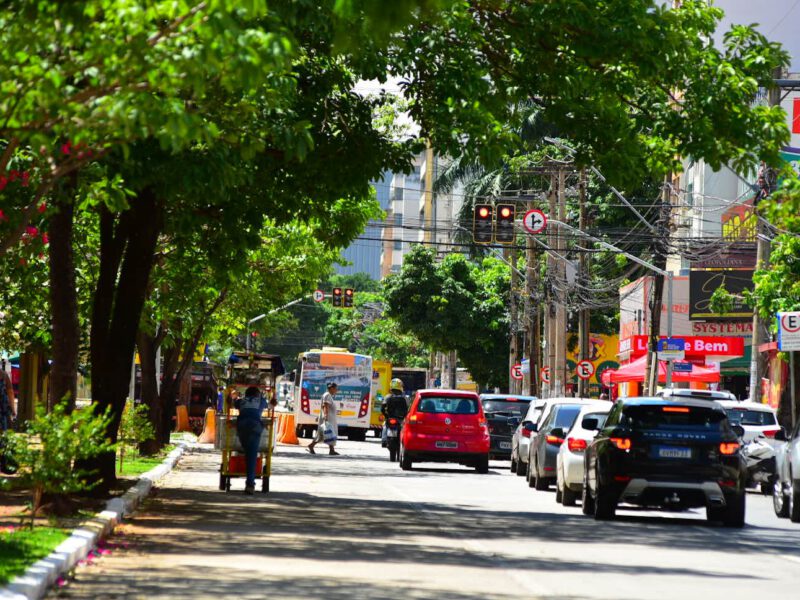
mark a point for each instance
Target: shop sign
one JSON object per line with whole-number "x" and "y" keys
{"x": 694, "y": 346}
{"x": 703, "y": 284}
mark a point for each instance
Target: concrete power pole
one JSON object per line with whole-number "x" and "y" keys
{"x": 583, "y": 320}
{"x": 532, "y": 339}
{"x": 548, "y": 390}
{"x": 560, "y": 334}
{"x": 763, "y": 250}
{"x": 513, "y": 350}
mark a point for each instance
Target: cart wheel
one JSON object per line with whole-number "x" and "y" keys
{"x": 264, "y": 485}
{"x": 222, "y": 482}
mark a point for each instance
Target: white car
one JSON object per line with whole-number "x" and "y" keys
{"x": 526, "y": 430}
{"x": 569, "y": 462}
{"x": 756, "y": 419}
{"x": 521, "y": 438}
{"x": 682, "y": 393}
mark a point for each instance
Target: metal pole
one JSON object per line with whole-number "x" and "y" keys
{"x": 669, "y": 325}
{"x": 792, "y": 389}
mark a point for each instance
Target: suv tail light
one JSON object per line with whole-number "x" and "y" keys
{"x": 770, "y": 433}
{"x": 729, "y": 447}
{"x": 621, "y": 443}
{"x": 304, "y": 402}
{"x": 554, "y": 440}
{"x": 576, "y": 444}
{"x": 392, "y": 421}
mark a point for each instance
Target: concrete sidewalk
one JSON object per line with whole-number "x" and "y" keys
{"x": 332, "y": 527}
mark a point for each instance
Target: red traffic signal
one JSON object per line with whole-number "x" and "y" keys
{"x": 504, "y": 232}
{"x": 336, "y": 297}
{"x": 483, "y": 224}
{"x": 348, "y": 298}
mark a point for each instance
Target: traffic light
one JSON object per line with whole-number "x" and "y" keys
{"x": 336, "y": 297}
{"x": 504, "y": 232}
{"x": 483, "y": 224}
{"x": 348, "y": 298}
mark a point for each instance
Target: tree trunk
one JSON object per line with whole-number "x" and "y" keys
{"x": 169, "y": 389}
{"x": 127, "y": 247}
{"x": 148, "y": 350}
{"x": 63, "y": 304}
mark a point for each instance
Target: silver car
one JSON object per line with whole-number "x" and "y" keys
{"x": 786, "y": 493}
{"x": 522, "y": 436}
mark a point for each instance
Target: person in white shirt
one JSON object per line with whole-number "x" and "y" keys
{"x": 327, "y": 414}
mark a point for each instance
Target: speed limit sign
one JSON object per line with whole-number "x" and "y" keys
{"x": 584, "y": 369}
{"x": 318, "y": 295}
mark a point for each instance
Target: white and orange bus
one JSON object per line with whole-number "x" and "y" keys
{"x": 353, "y": 374}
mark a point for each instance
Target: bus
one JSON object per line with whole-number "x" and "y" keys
{"x": 353, "y": 374}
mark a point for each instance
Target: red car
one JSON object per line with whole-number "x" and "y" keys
{"x": 445, "y": 426}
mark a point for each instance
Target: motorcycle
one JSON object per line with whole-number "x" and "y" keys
{"x": 393, "y": 427}
{"x": 759, "y": 457}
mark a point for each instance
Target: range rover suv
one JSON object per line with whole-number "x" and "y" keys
{"x": 666, "y": 453}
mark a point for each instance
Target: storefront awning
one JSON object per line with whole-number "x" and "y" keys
{"x": 634, "y": 371}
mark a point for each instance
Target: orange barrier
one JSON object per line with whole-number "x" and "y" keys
{"x": 182, "y": 418}
{"x": 289, "y": 435}
{"x": 209, "y": 427}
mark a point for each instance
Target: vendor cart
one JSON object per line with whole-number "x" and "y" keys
{"x": 245, "y": 370}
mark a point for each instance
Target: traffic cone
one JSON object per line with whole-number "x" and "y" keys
{"x": 182, "y": 418}
{"x": 209, "y": 427}
{"x": 290, "y": 435}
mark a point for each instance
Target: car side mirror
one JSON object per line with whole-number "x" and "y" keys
{"x": 530, "y": 426}
{"x": 514, "y": 421}
{"x": 780, "y": 435}
{"x": 557, "y": 432}
{"x": 738, "y": 430}
{"x": 590, "y": 423}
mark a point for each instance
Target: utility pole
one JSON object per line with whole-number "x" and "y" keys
{"x": 550, "y": 312}
{"x": 656, "y": 302}
{"x": 560, "y": 333}
{"x": 583, "y": 278}
{"x": 763, "y": 250}
{"x": 532, "y": 331}
{"x": 513, "y": 350}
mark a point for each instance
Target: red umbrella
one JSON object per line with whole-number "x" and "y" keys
{"x": 634, "y": 371}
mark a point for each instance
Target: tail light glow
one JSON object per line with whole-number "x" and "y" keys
{"x": 622, "y": 478}
{"x": 729, "y": 447}
{"x": 675, "y": 409}
{"x": 621, "y": 443}
{"x": 727, "y": 482}
{"x": 524, "y": 432}
{"x": 304, "y": 402}
{"x": 576, "y": 444}
{"x": 554, "y": 440}
{"x": 364, "y": 408}
{"x": 392, "y": 421}
{"x": 770, "y": 433}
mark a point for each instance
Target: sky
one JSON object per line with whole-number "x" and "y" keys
{"x": 778, "y": 20}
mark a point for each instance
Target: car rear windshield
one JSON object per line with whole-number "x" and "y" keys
{"x": 745, "y": 416}
{"x": 511, "y": 407}
{"x": 565, "y": 416}
{"x": 673, "y": 417}
{"x": 448, "y": 404}
{"x": 601, "y": 418}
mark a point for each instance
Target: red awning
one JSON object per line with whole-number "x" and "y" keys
{"x": 634, "y": 371}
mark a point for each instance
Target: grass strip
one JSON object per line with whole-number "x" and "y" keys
{"x": 20, "y": 547}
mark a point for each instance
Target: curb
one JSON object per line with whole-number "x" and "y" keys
{"x": 37, "y": 579}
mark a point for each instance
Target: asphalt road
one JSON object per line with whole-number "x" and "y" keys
{"x": 357, "y": 526}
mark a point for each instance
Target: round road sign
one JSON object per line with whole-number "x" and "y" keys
{"x": 516, "y": 372}
{"x": 318, "y": 296}
{"x": 544, "y": 374}
{"x": 584, "y": 369}
{"x": 534, "y": 221}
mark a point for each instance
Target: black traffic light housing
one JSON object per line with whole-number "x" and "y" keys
{"x": 483, "y": 223}
{"x": 348, "y": 297}
{"x": 504, "y": 230}
{"x": 336, "y": 297}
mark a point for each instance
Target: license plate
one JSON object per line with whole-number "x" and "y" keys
{"x": 673, "y": 452}
{"x": 449, "y": 445}
{"x": 391, "y": 433}
{"x": 505, "y": 445}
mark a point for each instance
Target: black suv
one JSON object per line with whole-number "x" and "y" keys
{"x": 671, "y": 454}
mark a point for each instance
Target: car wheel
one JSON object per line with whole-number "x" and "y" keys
{"x": 392, "y": 455}
{"x": 779, "y": 500}
{"x": 794, "y": 501}
{"x": 482, "y": 466}
{"x": 405, "y": 460}
{"x": 587, "y": 502}
{"x": 766, "y": 488}
{"x": 605, "y": 505}
{"x": 541, "y": 484}
{"x": 568, "y": 497}
{"x": 559, "y": 494}
{"x": 733, "y": 514}
{"x": 513, "y": 465}
{"x": 522, "y": 469}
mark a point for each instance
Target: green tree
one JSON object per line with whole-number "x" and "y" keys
{"x": 455, "y": 305}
